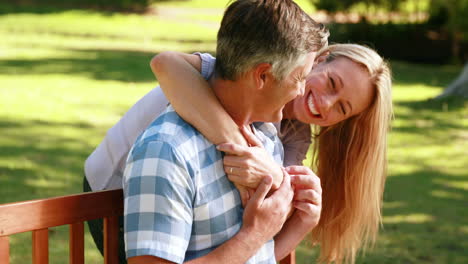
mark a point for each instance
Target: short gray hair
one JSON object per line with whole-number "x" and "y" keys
{"x": 266, "y": 31}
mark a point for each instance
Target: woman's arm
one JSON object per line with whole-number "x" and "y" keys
{"x": 192, "y": 97}
{"x": 307, "y": 202}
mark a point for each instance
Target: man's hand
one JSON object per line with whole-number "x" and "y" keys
{"x": 265, "y": 216}
{"x": 307, "y": 196}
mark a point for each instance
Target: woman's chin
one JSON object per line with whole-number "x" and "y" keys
{"x": 303, "y": 115}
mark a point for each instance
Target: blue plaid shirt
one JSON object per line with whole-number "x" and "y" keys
{"x": 179, "y": 203}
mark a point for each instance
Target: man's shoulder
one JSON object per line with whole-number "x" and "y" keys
{"x": 174, "y": 133}
{"x": 169, "y": 127}
{"x": 268, "y": 129}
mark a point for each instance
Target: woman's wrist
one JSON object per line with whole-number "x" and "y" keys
{"x": 278, "y": 175}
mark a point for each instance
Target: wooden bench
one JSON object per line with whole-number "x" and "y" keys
{"x": 39, "y": 215}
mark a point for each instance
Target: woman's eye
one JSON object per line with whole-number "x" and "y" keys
{"x": 332, "y": 83}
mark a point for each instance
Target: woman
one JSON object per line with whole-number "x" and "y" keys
{"x": 348, "y": 103}
{"x": 350, "y": 144}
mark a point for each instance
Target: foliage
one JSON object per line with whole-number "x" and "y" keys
{"x": 410, "y": 42}
{"x": 344, "y": 5}
{"x": 453, "y": 12}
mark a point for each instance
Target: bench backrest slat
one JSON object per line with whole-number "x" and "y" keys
{"x": 39, "y": 215}
{"x": 4, "y": 250}
{"x": 111, "y": 240}
{"x": 77, "y": 243}
{"x": 40, "y": 249}
{"x": 44, "y": 213}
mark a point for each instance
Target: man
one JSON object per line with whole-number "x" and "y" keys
{"x": 179, "y": 204}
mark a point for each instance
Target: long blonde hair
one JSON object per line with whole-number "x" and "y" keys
{"x": 350, "y": 159}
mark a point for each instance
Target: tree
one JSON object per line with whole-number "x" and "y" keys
{"x": 455, "y": 20}
{"x": 456, "y": 23}
{"x": 459, "y": 87}
{"x": 334, "y": 6}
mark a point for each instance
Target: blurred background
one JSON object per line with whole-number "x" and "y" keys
{"x": 70, "y": 69}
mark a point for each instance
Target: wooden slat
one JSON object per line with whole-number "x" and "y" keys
{"x": 289, "y": 259}
{"x": 77, "y": 243}
{"x": 111, "y": 240}
{"x": 39, "y": 214}
{"x": 4, "y": 250}
{"x": 40, "y": 248}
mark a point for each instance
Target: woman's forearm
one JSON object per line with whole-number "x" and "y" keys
{"x": 192, "y": 97}
{"x": 292, "y": 233}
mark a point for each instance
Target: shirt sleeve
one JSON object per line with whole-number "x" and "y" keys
{"x": 207, "y": 64}
{"x": 158, "y": 194}
{"x": 296, "y": 138}
{"x": 108, "y": 159}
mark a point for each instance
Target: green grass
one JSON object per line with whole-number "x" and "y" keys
{"x": 306, "y": 5}
{"x": 68, "y": 76}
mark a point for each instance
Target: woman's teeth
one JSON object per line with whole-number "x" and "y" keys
{"x": 311, "y": 105}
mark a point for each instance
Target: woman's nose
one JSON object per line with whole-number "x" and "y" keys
{"x": 302, "y": 89}
{"x": 328, "y": 102}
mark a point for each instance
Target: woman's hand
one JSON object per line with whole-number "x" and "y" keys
{"x": 247, "y": 166}
{"x": 307, "y": 195}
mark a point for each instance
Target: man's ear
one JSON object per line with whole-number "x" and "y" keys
{"x": 262, "y": 74}
{"x": 321, "y": 58}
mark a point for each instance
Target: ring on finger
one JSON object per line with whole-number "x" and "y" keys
{"x": 230, "y": 170}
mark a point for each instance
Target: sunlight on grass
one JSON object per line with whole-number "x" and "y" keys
{"x": 306, "y": 5}
{"x": 117, "y": 26}
{"x": 464, "y": 229}
{"x": 393, "y": 205}
{"x": 412, "y": 218}
{"x": 48, "y": 43}
{"x": 462, "y": 185}
{"x": 446, "y": 195}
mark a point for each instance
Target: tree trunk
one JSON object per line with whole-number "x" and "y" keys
{"x": 459, "y": 87}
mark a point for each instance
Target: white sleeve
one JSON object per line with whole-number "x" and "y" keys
{"x": 108, "y": 159}
{"x": 104, "y": 167}
{"x": 207, "y": 64}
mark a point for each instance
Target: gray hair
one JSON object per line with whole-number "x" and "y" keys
{"x": 277, "y": 32}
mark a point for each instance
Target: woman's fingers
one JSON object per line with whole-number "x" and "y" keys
{"x": 307, "y": 182}
{"x": 259, "y": 196}
{"x": 307, "y": 208}
{"x": 236, "y": 171}
{"x": 308, "y": 195}
{"x": 233, "y": 149}
{"x": 299, "y": 170}
{"x": 235, "y": 161}
{"x": 244, "y": 194}
{"x": 240, "y": 180}
{"x": 285, "y": 187}
{"x": 252, "y": 140}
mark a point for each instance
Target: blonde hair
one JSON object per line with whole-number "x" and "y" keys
{"x": 350, "y": 159}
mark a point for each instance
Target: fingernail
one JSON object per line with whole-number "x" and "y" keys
{"x": 267, "y": 180}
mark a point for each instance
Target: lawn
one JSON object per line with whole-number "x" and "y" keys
{"x": 67, "y": 76}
